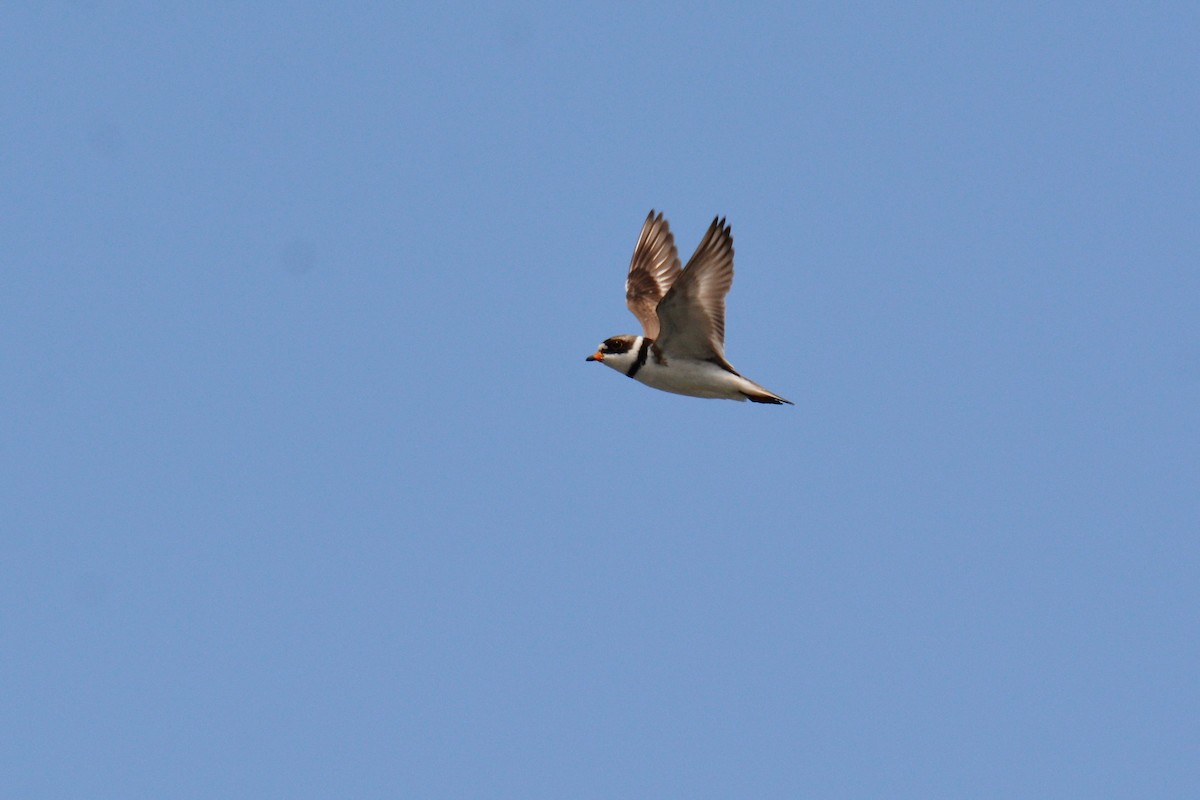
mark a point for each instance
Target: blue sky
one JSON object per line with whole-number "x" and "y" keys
{"x": 307, "y": 490}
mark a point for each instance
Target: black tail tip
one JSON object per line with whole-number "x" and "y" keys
{"x": 768, "y": 399}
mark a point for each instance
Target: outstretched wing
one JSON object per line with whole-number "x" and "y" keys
{"x": 653, "y": 269}
{"x": 692, "y": 314}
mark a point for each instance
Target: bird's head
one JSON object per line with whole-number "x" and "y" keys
{"x": 618, "y": 352}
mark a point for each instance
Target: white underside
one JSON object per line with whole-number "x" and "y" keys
{"x": 697, "y": 379}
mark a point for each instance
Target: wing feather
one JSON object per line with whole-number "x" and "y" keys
{"x": 652, "y": 271}
{"x": 692, "y": 314}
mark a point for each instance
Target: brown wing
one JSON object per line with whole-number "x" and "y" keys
{"x": 653, "y": 269}
{"x": 692, "y": 315}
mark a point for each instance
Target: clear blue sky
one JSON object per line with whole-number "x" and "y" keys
{"x": 307, "y": 490}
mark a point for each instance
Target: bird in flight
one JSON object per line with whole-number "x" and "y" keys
{"x": 682, "y": 311}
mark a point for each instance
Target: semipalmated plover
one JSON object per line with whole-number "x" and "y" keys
{"x": 682, "y": 349}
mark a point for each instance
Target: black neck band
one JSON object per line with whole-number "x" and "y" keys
{"x": 643, "y": 351}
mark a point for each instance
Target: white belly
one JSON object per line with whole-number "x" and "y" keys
{"x": 696, "y": 379}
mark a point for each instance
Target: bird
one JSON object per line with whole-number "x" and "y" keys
{"x": 682, "y": 311}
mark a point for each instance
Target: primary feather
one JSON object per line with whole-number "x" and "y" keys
{"x": 653, "y": 269}
{"x": 692, "y": 314}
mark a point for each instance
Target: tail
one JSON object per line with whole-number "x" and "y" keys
{"x": 763, "y": 396}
